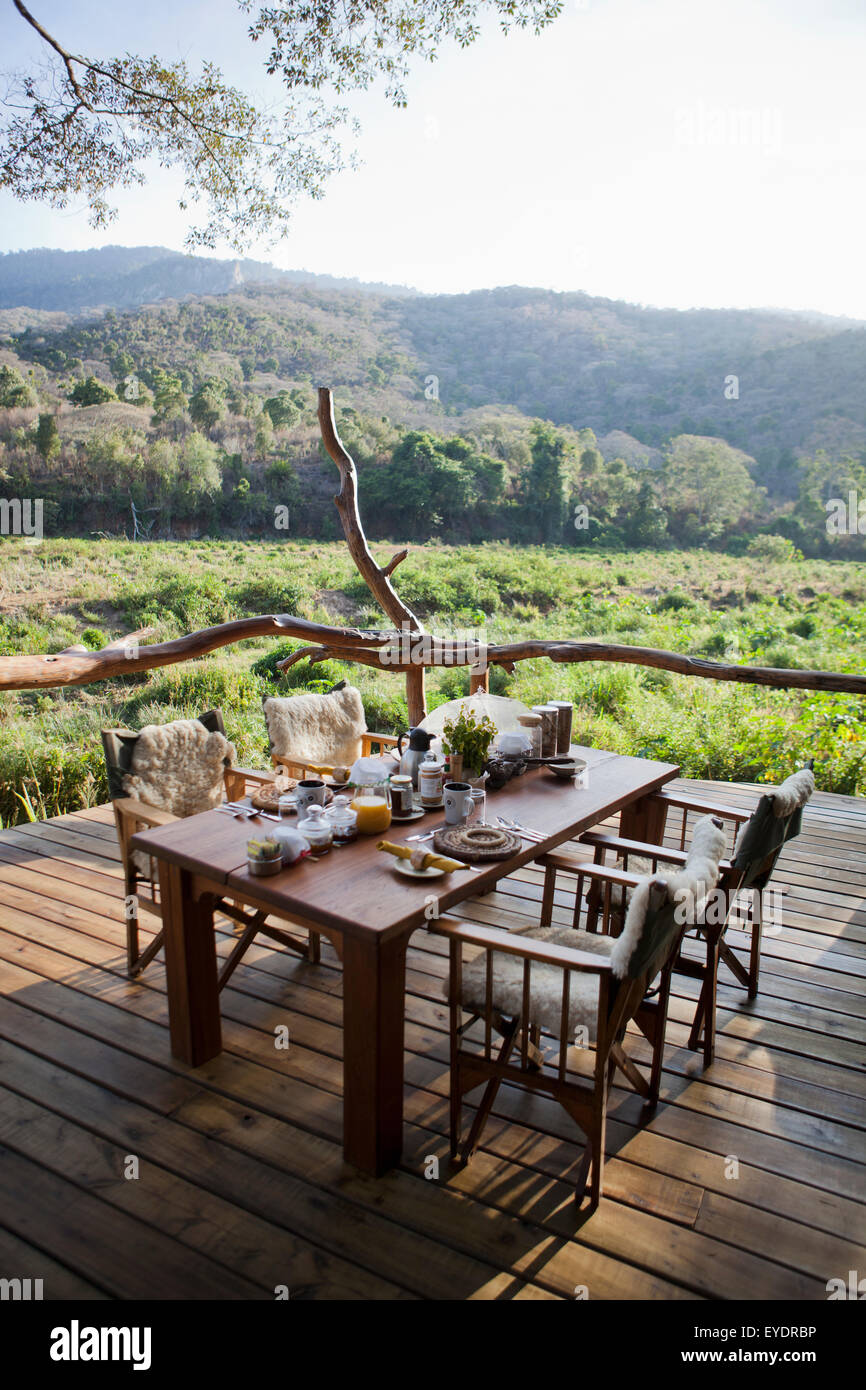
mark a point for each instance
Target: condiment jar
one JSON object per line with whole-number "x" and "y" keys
{"x": 430, "y": 780}
{"x": 531, "y": 724}
{"x": 549, "y": 728}
{"x": 317, "y": 829}
{"x": 344, "y": 821}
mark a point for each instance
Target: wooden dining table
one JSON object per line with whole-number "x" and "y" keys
{"x": 353, "y": 896}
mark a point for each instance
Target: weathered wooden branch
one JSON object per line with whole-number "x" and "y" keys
{"x": 395, "y": 561}
{"x": 444, "y": 652}
{"x": 376, "y": 579}
{"x": 125, "y": 655}
{"x": 386, "y": 651}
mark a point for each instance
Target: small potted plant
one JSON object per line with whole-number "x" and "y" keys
{"x": 469, "y": 739}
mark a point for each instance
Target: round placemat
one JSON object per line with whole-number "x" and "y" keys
{"x": 476, "y": 842}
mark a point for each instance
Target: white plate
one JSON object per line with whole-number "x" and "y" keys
{"x": 405, "y": 868}
{"x": 413, "y": 815}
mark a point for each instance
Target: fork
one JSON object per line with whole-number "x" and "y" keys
{"x": 533, "y": 836}
{"x": 236, "y": 810}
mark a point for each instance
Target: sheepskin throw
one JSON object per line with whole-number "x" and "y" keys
{"x": 316, "y": 728}
{"x": 179, "y": 767}
{"x": 545, "y": 993}
{"x": 698, "y": 876}
{"x": 793, "y": 793}
{"x": 689, "y": 886}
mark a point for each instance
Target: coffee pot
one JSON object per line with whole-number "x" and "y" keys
{"x": 411, "y": 760}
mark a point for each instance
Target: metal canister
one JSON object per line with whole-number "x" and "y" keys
{"x": 564, "y": 711}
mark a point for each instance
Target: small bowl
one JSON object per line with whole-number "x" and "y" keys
{"x": 567, "y": 771}
{"x": 264, "y": 868}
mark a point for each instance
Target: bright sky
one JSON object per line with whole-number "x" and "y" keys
{"x": 668, "y": 152}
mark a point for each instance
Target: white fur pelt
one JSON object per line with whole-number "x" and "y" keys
{"x": 316, "y": 728}
{"x": 545, "y": 992}
{"x": 698, "y": 876}
{"x": 179, "y": 767}
{"x": 793, "y": 793}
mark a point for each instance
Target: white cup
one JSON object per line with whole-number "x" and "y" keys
{"x": 458, "y": 802}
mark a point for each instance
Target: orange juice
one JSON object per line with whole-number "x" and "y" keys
{"x": 374, "y": 814}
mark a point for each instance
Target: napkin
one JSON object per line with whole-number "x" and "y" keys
{"x": 425, "y": 861}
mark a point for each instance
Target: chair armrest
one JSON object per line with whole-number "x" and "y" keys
{"x": 130, "y": 806}
{"x": 570, "y": 864}
{"x": 544, "y": 952}
{"x": 236, "y": 778}
{"x": 706, "y": 808}
{"x": 614, "y": 842}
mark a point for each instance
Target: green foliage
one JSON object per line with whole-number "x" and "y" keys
{"x": 470, "y": 736}
{"x": 14, "y": 391}
{"x": 546, "y": 482}
{"x": 47, "y": 437}
{"x": 207, "y": 405}
{"x": 775, "y": 550}
{"x": 91, "y": 391}
{"x": 713, "y": 730}
{"x": 282, "y": 409}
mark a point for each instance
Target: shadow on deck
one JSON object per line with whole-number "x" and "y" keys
{"x": 748, "y": 1182}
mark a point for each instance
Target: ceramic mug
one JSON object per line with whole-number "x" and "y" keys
{"x": 458, "y": 802}
{"x": 310, "y": 792}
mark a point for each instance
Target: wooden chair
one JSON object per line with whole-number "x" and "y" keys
{"x": 141, "y": 886}
{"x": 525, "y": 1010}
{"x": 760, "y": 837}
{"x": 321, "y": 750}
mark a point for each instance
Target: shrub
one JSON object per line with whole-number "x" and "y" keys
{"x": 674, "y": 603}
{"x": 774, "y": 550}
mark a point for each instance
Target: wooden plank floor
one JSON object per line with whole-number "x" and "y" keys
{"x": 748, "y": 1183}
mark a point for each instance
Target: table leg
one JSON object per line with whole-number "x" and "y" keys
{"x": 374, "y": 1002}
{"x": 644, "y": 820}
{"x": 190, "y": 968}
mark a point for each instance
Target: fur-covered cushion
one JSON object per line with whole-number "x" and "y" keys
{"x": 689, "y": 886}
{"x": 793, "y": 793}
{"x": 316, "y": 728}
{"x": 698, "y": 876}
{"x": 545, "y": 982}
{"x": 177, "y": 767}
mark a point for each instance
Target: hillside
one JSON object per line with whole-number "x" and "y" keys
{"x": 122, "y": 277}
{"x": 571, "y": 358}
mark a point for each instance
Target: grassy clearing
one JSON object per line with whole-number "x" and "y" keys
{"x": 810, "y": 614}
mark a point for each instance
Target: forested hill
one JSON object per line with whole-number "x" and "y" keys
{"x": 776, "y": 385}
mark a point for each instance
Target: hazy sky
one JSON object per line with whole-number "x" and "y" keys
{"x": 669, "y": 152}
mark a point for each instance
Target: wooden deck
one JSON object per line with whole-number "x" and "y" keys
{"x": 747, "y": 1184}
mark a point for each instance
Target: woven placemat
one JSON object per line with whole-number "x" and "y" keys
{"x": 475, "y": 843}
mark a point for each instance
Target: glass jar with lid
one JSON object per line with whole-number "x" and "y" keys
{"x": 532, "y": 725}
{"x": 317, "y": 829}
{"x": 344, "y": 821}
